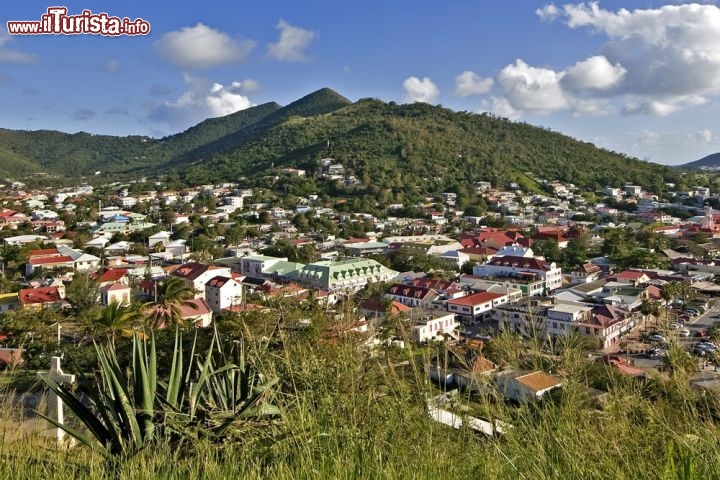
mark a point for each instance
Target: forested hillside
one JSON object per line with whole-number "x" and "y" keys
{"x": 384, "y": 145}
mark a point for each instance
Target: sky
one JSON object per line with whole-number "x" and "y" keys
{"x": 637, "y": 77}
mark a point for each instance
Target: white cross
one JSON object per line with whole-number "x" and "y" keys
{"x": 55, "y": 403}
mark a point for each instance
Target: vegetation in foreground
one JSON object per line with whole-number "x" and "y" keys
{"x": 345, "y": 413}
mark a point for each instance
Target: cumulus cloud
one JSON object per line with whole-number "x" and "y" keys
{"x": 654, "y": 61}
{"x": 417, "y": 90}
{"x": 469, "y": 83}
{"x": 202, "y": 47}
{"x": 8, "y": 55}
{"x": 501, "y": 107}
{"x": 202, "y": 100}
{"x": 532, "y": 89}
{"x": 670, "y": 55}
{"x": 548, "y": 13}
{"x": 595, "y": 73}
{"x": 292, "y": 43}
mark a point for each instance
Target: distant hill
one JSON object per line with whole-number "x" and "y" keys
{"x": 383, "y": 146}
{"x": 711, "y": 162}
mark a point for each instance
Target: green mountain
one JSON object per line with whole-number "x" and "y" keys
{"x": 710, "y": 162}
{"x": 385, "y": 146}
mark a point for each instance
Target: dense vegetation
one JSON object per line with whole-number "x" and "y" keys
{"x": 384, "y": 145}
{"x": 348, "y": 414}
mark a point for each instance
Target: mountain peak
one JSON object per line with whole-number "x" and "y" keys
{"x": 318, "y": 102}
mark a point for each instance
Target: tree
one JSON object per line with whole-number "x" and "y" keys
{"x": 82, "y": 293}
{"x": 548, "y": 249}
{"x": 116, "y": 318}
{"x": 172, "y": 293}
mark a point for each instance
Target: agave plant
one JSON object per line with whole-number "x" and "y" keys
{"x": 126, "y": 411}
{"x": 215, "y": 394}
{"x": 120, "y": 421}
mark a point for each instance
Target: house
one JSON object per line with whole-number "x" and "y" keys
{"x": 477, "y": 306}
{"x": 198, "y": 274}
{"x": 524, "y": 266}
{"x": 115, "y": 293}
{"x": 41, "y": 297}
{"x": 47, "y": 259}
{"x": 255, "y": 265}
{"x": 411, "y": 296}
{"x": 585, "y": 273}
{"x": 8, "y": 301}
{"x": 161, "y": 237}
{"x": 379, "y": 307}
{"x": 109, "y": 276}
{"x": 223, "y": 292}
{"x": 197, "y": 312}
{"x": 431, "y": 325}
{"x": 25, "y": 239}
{"x": 525, "y": 387}
{"x": 445, "y": 288}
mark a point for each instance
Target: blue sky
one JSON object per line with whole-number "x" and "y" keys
{"x": 638, "y": 77}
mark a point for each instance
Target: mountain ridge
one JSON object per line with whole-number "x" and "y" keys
{"x": 708, "y": 162}
{"x": 381, "y": 145}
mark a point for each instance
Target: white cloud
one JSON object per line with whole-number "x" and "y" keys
{"x": 500, "y": 107}
{"x": 548, "y": 13}
{"x": 8, "y": 55}
{"x": 417, "y": 90}
{"x": 532, "y": 89}
{"x": 202, "y": 100}
{"x": 292, "y": 43}
{"x": 594, "y": 73}
{"x": 705, "y": 136}
{"x": 202, "y": 47}
{"x": 469, "y": 83}
{"x": 670, "y": 54}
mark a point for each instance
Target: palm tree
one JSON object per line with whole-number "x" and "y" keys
{"x": 171, "y": 294}
{"x": 117, "y": 317}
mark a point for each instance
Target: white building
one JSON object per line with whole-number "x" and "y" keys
{"x": 431, "y": 324}
{"x": 223, "y": 292}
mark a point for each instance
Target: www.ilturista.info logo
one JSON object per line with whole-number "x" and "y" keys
{"x": 57, "y": 22}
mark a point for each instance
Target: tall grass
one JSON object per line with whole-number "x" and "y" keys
{"x": 349, "y": 415}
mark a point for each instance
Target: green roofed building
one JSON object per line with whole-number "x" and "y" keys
{"x": 344, "y": 274}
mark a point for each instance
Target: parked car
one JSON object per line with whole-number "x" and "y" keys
{"x": 653, "y": 353}
{"x": 676, "y": 326}
{"x": 684, "y": 332}
{"x": 656, "y": 337}
{"x": 701, "y": 333}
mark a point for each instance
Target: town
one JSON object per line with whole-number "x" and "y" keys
{"x": 631, "y": 273}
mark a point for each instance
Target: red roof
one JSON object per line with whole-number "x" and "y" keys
{"x": 51, "y": 260}
{"x": 190, "y": 270}
{"x": 111, "y": 275}
{"x": 630, "y": 275}
{"x": 409, "y": 291}
{"x": 526, "y": 263}
{"x": 375, "y": 304}
{"x": 30, "y": 296}
{"x": 476, "y": 298}
{"x": 217, "y": 282}
{"x": 193, "y": 308}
